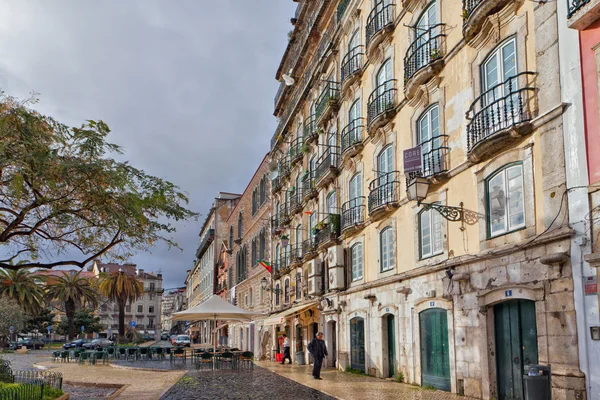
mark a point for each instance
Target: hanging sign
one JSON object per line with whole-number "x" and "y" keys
{"x": 412, "y": 160}
{"x": 590, "y": 285}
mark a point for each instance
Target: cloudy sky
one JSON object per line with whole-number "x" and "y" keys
{"x": 186, "y": 86}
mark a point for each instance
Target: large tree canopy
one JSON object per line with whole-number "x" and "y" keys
{"x": 65, "y": 201}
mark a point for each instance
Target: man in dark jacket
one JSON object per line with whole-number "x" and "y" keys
{"x": 318, "y": 350}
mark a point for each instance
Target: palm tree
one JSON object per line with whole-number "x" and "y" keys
{"x": 73, "y": 291}
{"x": 121, "y": 288}
{"x": 23, "y": 287}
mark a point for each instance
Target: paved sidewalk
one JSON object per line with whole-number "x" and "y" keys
{"x": 347, "y": 386}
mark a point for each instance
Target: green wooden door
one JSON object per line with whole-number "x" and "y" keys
{"x": 435, "y": 362}
{"x": 391, "y": 338}
{"x": 357, "y": 343}
{"x": 516, "y": 345}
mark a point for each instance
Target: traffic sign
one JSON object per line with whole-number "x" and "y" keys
{"x": 82, "y": 328}
{"x": 133, "y": 324}
{"x": 49, "y": 330}
{"x": 11, "y": 329}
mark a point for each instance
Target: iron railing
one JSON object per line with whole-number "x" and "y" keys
{"x": 353, "y": 212}
{"x": 384, "y": 190}
{"x": 468, "y": 7}
{"x": 574, "y": 6}
{"x": 328, "y": 98}
{"x": 276, "y": 185}
{"x": 275, "y": 224}
{"x": 310, "y": 129}
{"x": 353, "y": 134}
{"x": 296, "y": 153}
{"x": 29, "y": 391}
{"x": 296, "y": 201}
{"x": 379, "y": 18}
{"x": 381, "y": 100}
{"x": 352, "y": 62}
{"x": 205, "y": 242}
{"x": 341, "y": 8}
{"x": 296, "y": 253}
{"x": 329, "y": 229}
{"x": 424, "y": 50}
{"x": 308, "y": 187}
{"x": 309, "y": 246}
{"x": 284, "y": 214}
{"x": 328, "y": 161}
{"x": 434, "y": 153}
{"x": 500, "y": 107}
{"x": 284, "y": 167}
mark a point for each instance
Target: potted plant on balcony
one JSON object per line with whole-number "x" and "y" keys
{"x": 292, "y": 190}
{"x": 305, "y": 149}
{"x": 435, "y": 54}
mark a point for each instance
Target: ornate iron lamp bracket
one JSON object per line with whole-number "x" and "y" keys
{"x": 455, "y": 214}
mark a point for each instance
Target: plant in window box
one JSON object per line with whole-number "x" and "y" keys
{"x": 465, "y": 14}
{"x": 292, "y": 189}
{"x": 435, "y": 54}
{"x": 305, "y": 149}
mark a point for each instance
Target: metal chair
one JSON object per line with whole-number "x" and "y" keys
{"x": 56, "y": 356}
{"x": 64, "y": 356}
{"x": 178, "y": 353}
{"x": 122, "y": 352}
{"x": 84, "y": 357}
{"x": 247, "y": 359}
{"x": 205, "y": 359}
{"x": 226, "y": 359}
{"x": 99, "y": 355}
{"x": 159, "y": 352}
{"x": 145, "y": 353}
{"x": 132, "y": 353}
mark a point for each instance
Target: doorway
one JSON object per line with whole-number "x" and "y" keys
{"x": 389, "y": 346}
{"x": 357, "y": 343}
{"x": 331, "y": 339}
{"x": 435, "y": 363}
{"x": 516, "y": 345}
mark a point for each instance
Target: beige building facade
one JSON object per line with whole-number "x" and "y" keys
{"x": 462, "y": 289}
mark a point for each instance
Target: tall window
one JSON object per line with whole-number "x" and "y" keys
{"x": 332, "y": 203}
{"x": 250, "y": 299}
{"x": 505, "y": 198}
{"x": 356, "y": 260}
{"x": 277, "y": 294}
{"x": 298, "y": 285}
{"x": 299, "y": 240}
{"x": 278, "y": 257}
{"x": 384, "y": 83}
{"x": 231, "y": 237}
{"x": 423, "y": 35}
{"x": 240, "y": 225}
{"x": 430, "y": 233}
{"x": 428, "y": 136}
{"x": 263, "y": 190}
{"x": 286, "y": 291}
{"x": 386, "y": 244}
{"x": 254, "y": 253}
{"x": 385, "y": 165}
{"x": 262, "y": 245}
{"x": 355, "y": 190}
{"x": 254, "y": 201}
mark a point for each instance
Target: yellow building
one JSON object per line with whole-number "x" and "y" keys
{"x": 461, "y": 290}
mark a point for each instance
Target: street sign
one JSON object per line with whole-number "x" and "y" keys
{"x": 412, "y": 160}
{"x": 82, "y": 328}
{"x": 132, "y": 324}
{"x": 11, "y": 329}
{"x": 49, "y": 330}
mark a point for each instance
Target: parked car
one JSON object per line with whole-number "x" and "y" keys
{"x": 173, "y": 338}
{"x": 183, "y": 340}
{"x": 30, "y": 343}
{"x": 148, "y": 338}
{"x": 97, "y": 344}
{"x": 164, "y": 336}
{"x": 75, "y": 344}
{"x": 14, "y": 345}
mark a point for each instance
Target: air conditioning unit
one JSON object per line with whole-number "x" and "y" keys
{"x": 315, "y": 285}
{"x": 336, "y": 278}
{"x": 335, "y": 256}
{"x": 314, "y": 268}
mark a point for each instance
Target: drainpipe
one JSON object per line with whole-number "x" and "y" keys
{"x": 412, "y": 339}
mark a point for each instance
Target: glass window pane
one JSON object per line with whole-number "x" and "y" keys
{"x": 425, "y": 233}
{"x": 509, "y": 60}
{"x": 516, "y": 209}
{"x": 497, "y": 203}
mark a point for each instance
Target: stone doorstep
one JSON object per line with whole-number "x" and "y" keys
{"x": 120, "y": 388}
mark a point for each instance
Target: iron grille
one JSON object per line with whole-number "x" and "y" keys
{"x": 353, "y": 134}
{"x": 384, "y": 190}
{"x": 327, "y": 162}
{"x": 425, "y": 49}
{"x": 382, "y": 99}
{"x": 353, "y": 212}
{"x": 352, "y": 62}
{"x": 379, "y": 18}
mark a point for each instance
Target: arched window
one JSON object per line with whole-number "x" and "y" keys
{"x": 263, "y": 190}
{"x": 286, "y": 291}
{"x": 254, "y": 201}
{"x": 277, "y": 294}
{"x": 354, "y": 118}
{"x": 299, "y": 240}
{"x": 240, "y": 225}
{"x": 505, "y": 200}
{"x": 383, "y": 80}
{"x": 425, "y": 35}
{"x": 428, "y": 136}
{"x": 332, "y": 203}
{"x": 262, "y": 244}
{"x": 230, "y": 244}
{"x": 254, "y": 253}
{"x": 386, "y": 249}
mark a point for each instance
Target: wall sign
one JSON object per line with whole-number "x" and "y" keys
{"x": 432, "y": 304}
{"x": 412, "y": 159}
{"x": 590, "y": 285}
{"x": 508, "y": 293}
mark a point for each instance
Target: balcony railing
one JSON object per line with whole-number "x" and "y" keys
{"x": 309, "y": 190}
{"x": 311, "y": 133}
{"x": 327, "y": 100}
{"x": 352, "y": 62}
{"x": 282, "y": 89}
{"x": 341, "y": 8}
{"x": 296, "y": 201}
{"x": 328, "y": 230}
{"x": 296, "y": 254}
{"x": 384, "y": 191}
{"x": 276, "y": 226}
{"x": 284, "y": 167}
{"x": 353, "y": 213}
{"x": 327, "y": 165}
{"x": 380, "y": 17}
{"x": 499, "y": 108}
{"x": 296, "y": 153}
{"x": 381, "y": 100}
{"x": 353, "y": 135}
{"x": 309, "y": 248}
{"x": 434, "y": 153}
{"x": 276, "y": 185}
{"x": 424, "y": 50}
{"x": 208, "y": 238}
{"x": 574, "y": 6}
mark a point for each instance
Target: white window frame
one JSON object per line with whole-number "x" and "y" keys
{"x": 505, "y": 196}
{"x": 357, "y": 261}
{"x": 436, "y": 236}
{"x": 386, "y": 249}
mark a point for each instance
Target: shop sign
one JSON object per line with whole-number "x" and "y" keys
{"x": 412, "y": 160}
{"x": 590, "y": 285}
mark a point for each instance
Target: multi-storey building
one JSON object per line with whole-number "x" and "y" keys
{"x": 173, "y": 300}
{"x": 248, "y": 243}
{"x": 145, "y": 311}
{"x": 201, "y": 279}
{"x": 459, "y": 104}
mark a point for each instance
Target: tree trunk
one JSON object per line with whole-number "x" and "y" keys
{"x": 70, "y": 311}
{"x": 121, "y": 303}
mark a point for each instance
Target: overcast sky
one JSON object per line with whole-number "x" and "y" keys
{"x": 186, "y": 86}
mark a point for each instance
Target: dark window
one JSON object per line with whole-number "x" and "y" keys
{"x": 152, "y": 285}
{"x": 240, "y": 226}
{"x": 150, "y": 322}
{"x": 298, "y": 285}
{"x": 128, "y": 308}
{"x": 286, "y": 291}
{"x": 140, "y": 309}
{"x": 262, "y": 245}
{"x": 277, "y": 294}
{"x": 231, "y": 237}
{"x": 254, "y": 201}
{"x": 151, "y": 309}
{"x": 254, "y": 253}
{"x": 263, "y": 190}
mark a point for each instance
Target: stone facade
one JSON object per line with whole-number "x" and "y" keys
{"x": 172, "y": 302}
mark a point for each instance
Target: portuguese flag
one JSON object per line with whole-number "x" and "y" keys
{"x": 267, "y": 265}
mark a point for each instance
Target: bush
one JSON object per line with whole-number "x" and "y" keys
{"x": 399, "y": 377}
{"x": 355, "y": 371}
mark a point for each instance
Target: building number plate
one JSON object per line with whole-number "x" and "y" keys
{"x": 508, "y": 293}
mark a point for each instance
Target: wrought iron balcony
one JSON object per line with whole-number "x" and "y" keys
{"x": 311, "y": 132}
{"x": 276, "y": 227}
{"x": 327, "y": 102}
{"x": 424, "y": 58}
{"x": 353, "y": 214}
{"x": 296, "y": 201}
{"x": 207, "y": 239}
{"x": 379, "y": 21}
{"x": 296, "y": 153}
{"x": 341, "y": 8}
{"x": 352, "y": 64}
{"x": 296, "y": 255}
{"x": 384, "y": 194}
{"x": 382, "y": 103}
{"x": 327, "y": 167}
{"x": 352, "y": 138}
{"x": 309, "y": 249}
{"x": 284, "y": 167}
{"x": 328, "y": 231}
{"x": 499, "y": 115}
{"x": 475, "y": 12}
{"x": 574, "y": 6}
{"x": 276, "y": 185}
{"x": 279, "y": 96}
{"x": 434, "y": 153}
{"x": 309, "y": 190}
{"x": 284, "y": 215}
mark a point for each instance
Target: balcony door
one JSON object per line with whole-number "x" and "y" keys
{"x": 428, "y": 131}
{"x": 426, "y": 50}
{"x": 384, "y": 86}
{"x": 332, "y": 203}
{"x": 499, "y": 82}
{"x": 354, "y": 60}
{"x": 385, "y": 165}
{"x": 299, "y": 241}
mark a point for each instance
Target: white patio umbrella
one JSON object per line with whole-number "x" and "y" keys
{"x": 214, "y": 308}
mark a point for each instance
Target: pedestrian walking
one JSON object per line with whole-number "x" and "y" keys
{"x": 286, "y": 349}
{"x": 318, "y": 350}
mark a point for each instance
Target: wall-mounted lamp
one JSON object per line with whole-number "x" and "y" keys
{"x": 264, "y": 284}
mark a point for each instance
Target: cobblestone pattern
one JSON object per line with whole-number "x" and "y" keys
{"x": 87, "y": 393}
{"x": 20, "y": 361}
{"x": 245, "y": 384}
{"x": 156, "y": 364}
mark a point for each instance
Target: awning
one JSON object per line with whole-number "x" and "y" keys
{"x": 280, "y": 318}
{"x": 194, "y": 329}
